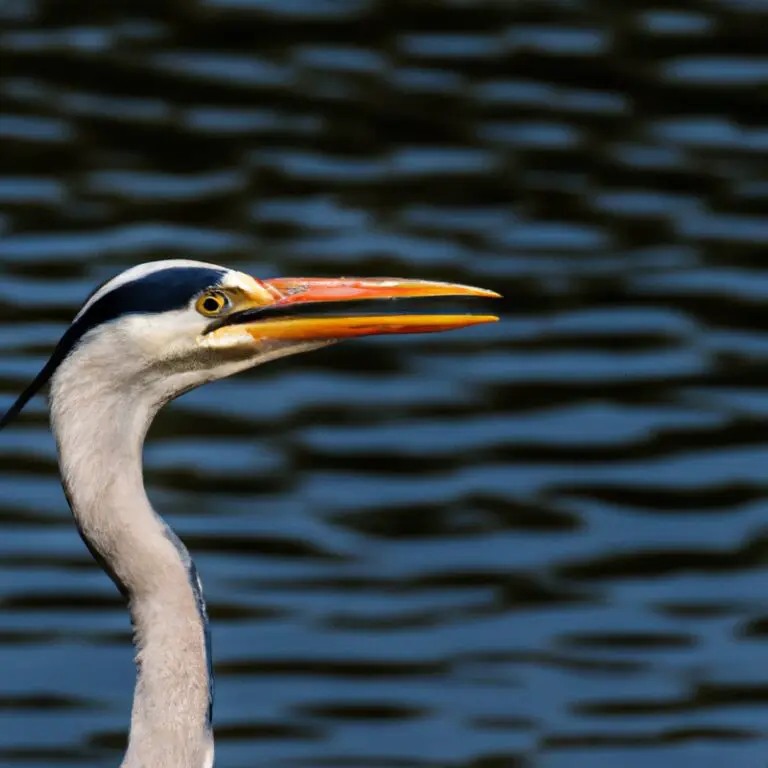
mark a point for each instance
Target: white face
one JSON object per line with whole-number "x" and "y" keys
{"x": 167, "y": 353}
{"x": 182, "y": 332}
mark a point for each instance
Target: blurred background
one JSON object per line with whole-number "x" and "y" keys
{"x": 541, "y": 543}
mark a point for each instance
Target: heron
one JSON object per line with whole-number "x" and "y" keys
{"x": 141, "y": 339}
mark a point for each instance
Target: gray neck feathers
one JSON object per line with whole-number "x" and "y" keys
{"x": 100, "y": 428}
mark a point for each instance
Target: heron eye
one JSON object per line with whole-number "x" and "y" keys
{"x": 213, "y": 303}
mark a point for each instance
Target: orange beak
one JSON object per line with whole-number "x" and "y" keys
{"x": 280, "y": 311}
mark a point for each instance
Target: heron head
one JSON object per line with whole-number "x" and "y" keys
{"x": 166, "y": 327}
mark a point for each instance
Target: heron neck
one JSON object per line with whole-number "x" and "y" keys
{"x": 100, "y": 438}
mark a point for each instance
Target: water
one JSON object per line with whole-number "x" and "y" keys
{"x": 541, "y": 543}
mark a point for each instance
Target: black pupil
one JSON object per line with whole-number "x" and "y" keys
{"x": 210, "y": 304}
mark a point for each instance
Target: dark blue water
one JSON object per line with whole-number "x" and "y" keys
{"x": 541, "y": 543}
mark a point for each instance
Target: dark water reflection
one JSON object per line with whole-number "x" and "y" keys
{"x": 541, "y": 543}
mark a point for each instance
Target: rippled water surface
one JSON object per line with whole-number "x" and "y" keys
{"x": 539, "y": 543}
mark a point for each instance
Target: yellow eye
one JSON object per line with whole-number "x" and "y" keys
{"x": 212, "y": 303}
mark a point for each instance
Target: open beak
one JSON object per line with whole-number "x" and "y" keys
{"x": 279, "y": 310}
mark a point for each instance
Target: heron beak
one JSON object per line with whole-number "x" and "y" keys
{"x": 279, "y": 309}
